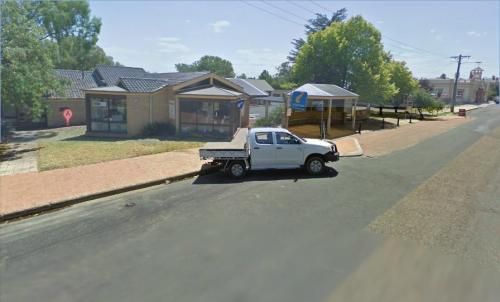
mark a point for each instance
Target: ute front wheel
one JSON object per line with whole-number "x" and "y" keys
{"x": 315, "y": 165}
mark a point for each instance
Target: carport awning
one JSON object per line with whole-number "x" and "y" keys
{"x": 326, "y": 91}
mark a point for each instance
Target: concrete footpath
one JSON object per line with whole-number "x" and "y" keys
{"x": 29, "y": 193}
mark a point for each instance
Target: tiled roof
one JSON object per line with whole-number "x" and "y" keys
{"x": 77, "y": 80}
{"x": 108, "y": 89}
{"x": 132, "y": 79}
{"x": 177, "y": 77}
{"x": 260, "y": 84}
{"x": 108, "y": 75}
{"x": 326, "y": 90}
{"x": 142, "y": 84}
{"x": 248, "y": 88}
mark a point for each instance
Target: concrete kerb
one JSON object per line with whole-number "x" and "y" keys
{"x": 355, "y": 153}
{"x": 72, "y": 201}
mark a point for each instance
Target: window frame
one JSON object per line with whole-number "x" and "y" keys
{"x": 289, "y": 134}
{"x": 264, "y": 132}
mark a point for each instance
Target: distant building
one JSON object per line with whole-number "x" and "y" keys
{"x": 471, "y": 90}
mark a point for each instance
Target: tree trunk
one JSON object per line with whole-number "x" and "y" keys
{"x": 380, "y": 111}
{"x": 420, "y": 112}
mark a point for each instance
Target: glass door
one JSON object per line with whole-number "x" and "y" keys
{"x": 108, "y": 114}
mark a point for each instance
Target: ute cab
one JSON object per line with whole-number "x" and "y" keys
{"x": 270, "y": 148}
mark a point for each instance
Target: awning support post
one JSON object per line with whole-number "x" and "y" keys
{"x": 329, "y": 116}
{"x": 354, "y": 114}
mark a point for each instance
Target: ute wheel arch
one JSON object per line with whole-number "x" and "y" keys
{"x": 236, "y": 168}
{"x": 315, "y": 164}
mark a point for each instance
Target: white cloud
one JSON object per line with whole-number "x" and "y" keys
{"x": 171, "y": 45}
{"x": 187, "y": 21}
{"x": 219, "y": 26}
{"x": 435, "y": 34}
{"x": 473, "y": 33}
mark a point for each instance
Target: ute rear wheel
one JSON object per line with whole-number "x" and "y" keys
{"x": 315, "y": 165}
{"x": 237, "y": 169}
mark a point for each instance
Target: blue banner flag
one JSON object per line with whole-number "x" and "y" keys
{"x": 240, "y": 103}
{"x": 298, "y": 100}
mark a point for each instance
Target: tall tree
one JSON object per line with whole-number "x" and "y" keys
{"x": 265, "y": 75}
{"x": 26, "y": 66}
{"x": 319, "y": 23}
{"x": 71, "y": 27}
{"x": 403, "y": 79}
{"x": 349, "y": 54}
{"x": 425, "y": 85}
{"x": 69, "y": 54}
{"x": 214, "y": 64}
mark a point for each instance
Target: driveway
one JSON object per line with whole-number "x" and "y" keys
{"x": 20, "y": 155}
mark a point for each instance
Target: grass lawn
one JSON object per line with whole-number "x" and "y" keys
{"x": 3, "y": 150}
{"x": 70, "y": 153}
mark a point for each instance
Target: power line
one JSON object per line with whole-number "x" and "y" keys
{"x": 388, "y": 38}
{"x": 284, "y": 10}
{"x": 320, "y": 6}
{"x": 271, "y": 13}
{"x": 411, "y": 49}
{"x": 416, "y": 48}
{"x": 303, "y": 7}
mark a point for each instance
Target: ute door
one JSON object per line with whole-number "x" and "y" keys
{"x": 289, "y": 150}
{"x": 263, "y": 152}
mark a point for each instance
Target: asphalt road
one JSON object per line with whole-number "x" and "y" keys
{"x": 279, "y": 236}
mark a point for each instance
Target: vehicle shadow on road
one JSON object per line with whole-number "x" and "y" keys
{"x": 265, "y": 175}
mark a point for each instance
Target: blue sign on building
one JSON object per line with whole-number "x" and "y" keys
{"x": 240, "y": 103}
{"x": 298, "y": 100}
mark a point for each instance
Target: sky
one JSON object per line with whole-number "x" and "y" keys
{"x": 256, "y": 35}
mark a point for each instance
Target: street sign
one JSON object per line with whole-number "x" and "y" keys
{"x": 67, "y": 114}
{"x": 240, "y": 104}
{"x": 298, "y": 100}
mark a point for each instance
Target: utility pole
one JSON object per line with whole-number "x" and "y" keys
{"x": 457, "y": 75}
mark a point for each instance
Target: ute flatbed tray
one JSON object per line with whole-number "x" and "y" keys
{"x": 236, "y": 144}
{"x": 236, "y": 148}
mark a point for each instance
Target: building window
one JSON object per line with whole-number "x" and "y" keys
{"x": 108, "y": 114}
{"x": 460, "y": 93}
{"x": 218, "y": 118}
{"x": 438, "y": 92}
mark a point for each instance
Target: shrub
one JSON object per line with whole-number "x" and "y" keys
{"x": 273, "y": 119}
{"x": 6, "y": 129}
{"x": 158, "y": 129}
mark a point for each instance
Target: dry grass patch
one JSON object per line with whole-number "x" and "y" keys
{"x": 65, "y": 154}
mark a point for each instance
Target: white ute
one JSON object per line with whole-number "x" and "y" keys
{"x": 269, "y": 148}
